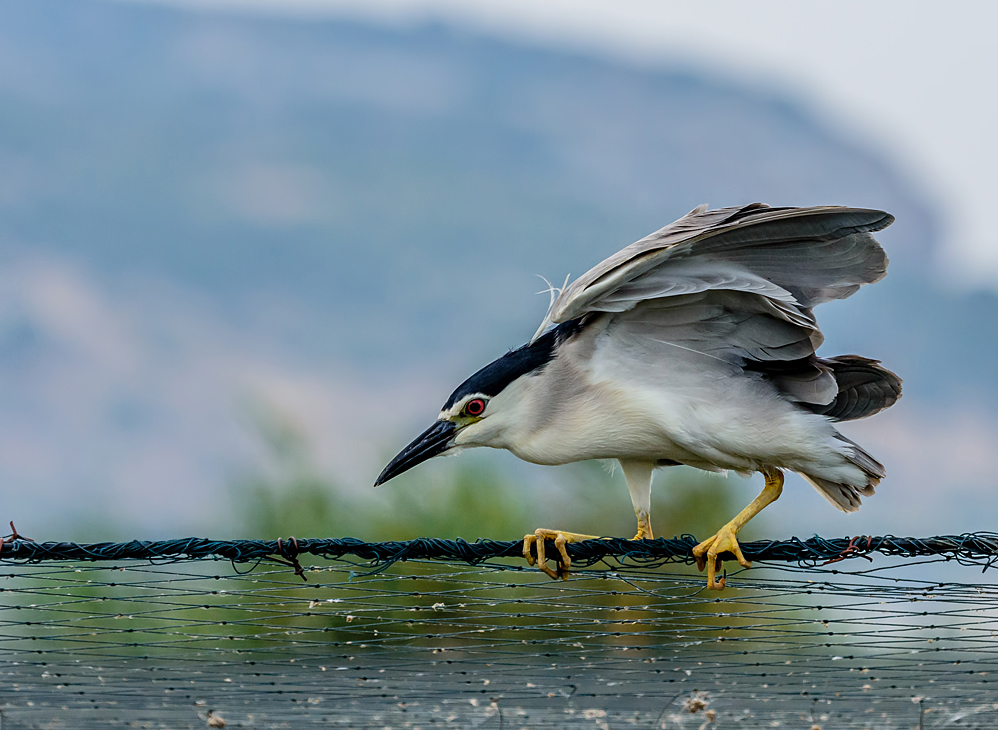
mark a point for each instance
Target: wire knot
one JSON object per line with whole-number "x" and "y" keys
{"x": 13, "y": 536}
{"x": 852, "y": 547}
{"x": 289, "y": 551}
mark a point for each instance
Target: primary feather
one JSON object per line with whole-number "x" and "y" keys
{"x": 796, "y": 257}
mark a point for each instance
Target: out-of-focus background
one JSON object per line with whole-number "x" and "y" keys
{"x": 248, "y": 247}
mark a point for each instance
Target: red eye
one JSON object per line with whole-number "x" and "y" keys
{"x": 475, "y": 407}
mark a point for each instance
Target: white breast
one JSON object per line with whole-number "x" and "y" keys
{"x": 597, "y": 401}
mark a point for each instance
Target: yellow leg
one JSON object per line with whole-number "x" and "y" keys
{"x": 644, "y": 527}
{"x": 561, "y": 538}
{"x": 725, "y": 540}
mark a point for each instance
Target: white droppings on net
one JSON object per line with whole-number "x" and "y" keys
{"x": 622, "y": 642}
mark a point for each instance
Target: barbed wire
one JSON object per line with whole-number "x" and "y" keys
{"x": 977, "y": 548}
{"x": 466, "y": 635}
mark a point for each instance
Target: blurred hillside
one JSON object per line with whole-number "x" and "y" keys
{"x": 200, "y": 212}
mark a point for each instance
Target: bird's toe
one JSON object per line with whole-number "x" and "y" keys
{"x": 535, "y": 549}
{"x": 707, "y": 554}
{"x": 528, "y": 548}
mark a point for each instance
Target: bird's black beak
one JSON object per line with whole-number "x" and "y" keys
{"x": 433, "y": 441}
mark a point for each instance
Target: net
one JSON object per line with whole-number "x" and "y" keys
{"x": 436, "y": 633}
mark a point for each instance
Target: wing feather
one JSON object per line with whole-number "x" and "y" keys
{"x": 737, "y": 286}
{"x": 736, "y": 329}
{"x": 794, "y": 257}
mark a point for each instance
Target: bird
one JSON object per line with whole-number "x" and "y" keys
{"x": 694, "y": 346}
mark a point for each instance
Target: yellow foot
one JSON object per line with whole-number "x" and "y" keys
{"x": 706, "y": 554}
{"x": 561, "y": 539}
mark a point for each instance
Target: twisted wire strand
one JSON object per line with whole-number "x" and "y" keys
{"x": 978, "y": 548}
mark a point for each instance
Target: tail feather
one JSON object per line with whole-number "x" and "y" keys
{"x": 865, "y": 388}
{"x": 859, "y": 456}
{"x": 846, "y": 497}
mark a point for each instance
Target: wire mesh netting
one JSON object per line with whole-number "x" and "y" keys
{"x": 901, "y": 642}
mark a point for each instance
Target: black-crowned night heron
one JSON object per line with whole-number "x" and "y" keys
{"x": 695, "y": 345}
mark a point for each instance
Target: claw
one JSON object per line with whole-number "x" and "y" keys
{"x": 707, "y": 552}
{"x": 536, "y": 544}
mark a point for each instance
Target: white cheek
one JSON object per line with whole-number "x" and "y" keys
{"x": 470, "y": 435}
{"x": 482, "y": 433}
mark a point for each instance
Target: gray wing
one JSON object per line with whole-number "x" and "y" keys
{"x": 719, "y": 330}
{"x": 737, "y": 285}
{"x": 795, "y": 257}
